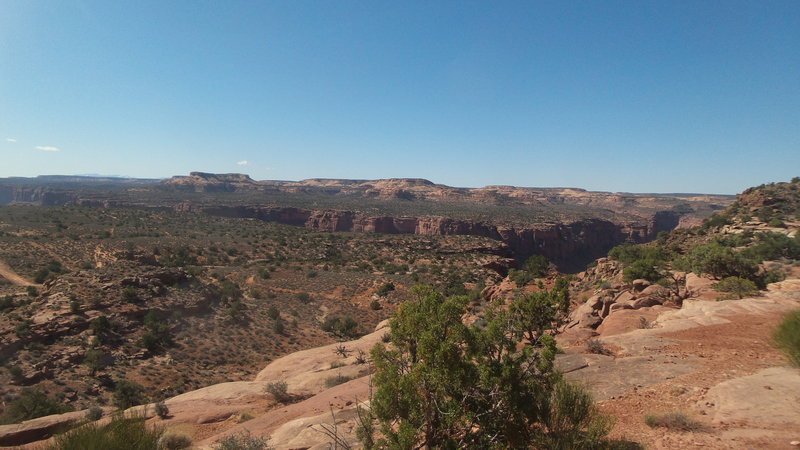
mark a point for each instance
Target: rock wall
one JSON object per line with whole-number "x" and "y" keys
{"x": 569, "y": 245}
{"x": 42, "y": 196}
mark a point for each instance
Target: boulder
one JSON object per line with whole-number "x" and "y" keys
{"x": 640, "y": 284}
{"x": 656, "y": 290}
{"x": 590, "y": 320}
{"x": 618, "y": 306}
{"x": 37, "y": 429}
{"x": 646, "y": 302}
{"x": 696, "y": 283}
{"x": 595, "y": 302}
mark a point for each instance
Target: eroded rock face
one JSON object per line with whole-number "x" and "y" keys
{"x": 568, "y": 245}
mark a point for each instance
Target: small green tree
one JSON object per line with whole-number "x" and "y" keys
{"x": 646, "y": 269}
{"x": 540, "y": 312}
{"x": 720, "y": 262}
{"x": 94, "y": 361}
{"x": 443, "y": 384}
{"x": 128, "y": 393}
{"x": 30, "y": 404}
{"x": 736, "y": 286}
{"x": 158, "y": 334}
{"x": 537, "y": 265}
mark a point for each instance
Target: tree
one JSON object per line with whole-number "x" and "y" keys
{"x": 30, "y": 404}
{"x": 94, "y": 361}
{"x": 646, "y": 269}
{"x": 736, "y": 286}
{"x": 158, "y": 334}
{"x": 540, "y": 312}
{"x": 128, "y": 393}
{"x": 443, "y": 384}
{"x": 720, "y": 262}
{"x": 537, "y": 266}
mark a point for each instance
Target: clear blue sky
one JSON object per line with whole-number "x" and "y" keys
{"x": 639, "y": 96}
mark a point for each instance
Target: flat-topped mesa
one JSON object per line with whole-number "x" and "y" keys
{"x": 212, "y": 182}
{"x": 240, "y": 177}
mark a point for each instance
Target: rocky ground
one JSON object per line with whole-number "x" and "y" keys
{"x": 710, "y": 360}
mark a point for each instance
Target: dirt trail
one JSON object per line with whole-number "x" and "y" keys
{"x": 12, "y": 276}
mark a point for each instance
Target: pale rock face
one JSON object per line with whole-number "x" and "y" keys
{"x": 698, "y": 284}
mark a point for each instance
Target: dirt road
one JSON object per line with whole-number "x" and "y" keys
{"x": 12, "y": 276}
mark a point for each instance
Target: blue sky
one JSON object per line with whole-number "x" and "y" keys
{"x": 638, "y": 96}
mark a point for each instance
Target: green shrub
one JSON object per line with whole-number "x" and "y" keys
{"x": 628, "y": 253}
{"x": 736, "y": 286}
{"x": 272, "y": 312}
{"x": 537, "y": 265}
{"x": 41, "y": 275}
{"x": 336, "y": 380}
{"x": 776, "y": 223}
{"x": 129, "y": 294}
{"x": 16, "y": 373}
{"x": 120, "y": 433}
{"x": 128, "y": 394}
{"x": 597, "y": 347}
{"x": 771, "y": 245}
{"x": 94, "y": 413}
{"x": 158, "y": 334}
{"x": 385, "y": 288}
{"x": 642, "y": 269}
{"x": 774, "y": 276}
{"x": 279, "y": 327}
{"x": 721, "y": 262}
{"x": 242, "y": 441}
{"x": 173, "y": 441}
{"x": 30, "y": 404}
{"x": 7, "y": 303}
{"x": 93, "y": 359}
{"x": 346, "y": 327}
{"x": 162, "y": 410}
{"x": 279, "y": 391}
{"x": 673, "y": 421}
{"x": 443, "y": 384}
{"x": 716, "y": 221}
{"x": 787, "y": 337}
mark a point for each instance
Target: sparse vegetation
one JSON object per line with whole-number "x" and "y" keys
{"x": 675, "y": 421}
{"x": 30, "y": 404}
{"x": 162, "y": 410}
{"x": 242, "y": 441}
{"x": 336, "y": 380}
{"x": 94, "y": 413}
{"x": 120, "y": 433}
{"x": 279, "y": 391}
{"x": 787, "y": 337}
{"x": 128, "y": 393}
{"x": 598, "y": 347}
{"x": 736, "y": 287}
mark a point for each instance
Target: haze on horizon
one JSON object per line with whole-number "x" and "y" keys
{"x": 644, "y": 96}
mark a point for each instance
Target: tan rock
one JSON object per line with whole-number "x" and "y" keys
{"x": 640, "y": 284}
{"x": 697, "y": 284}
{"x": 645, "y": 302}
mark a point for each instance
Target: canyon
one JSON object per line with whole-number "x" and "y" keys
{"x": 570, "y": 226}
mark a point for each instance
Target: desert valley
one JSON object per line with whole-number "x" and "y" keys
{"x": 219, "y": 312}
